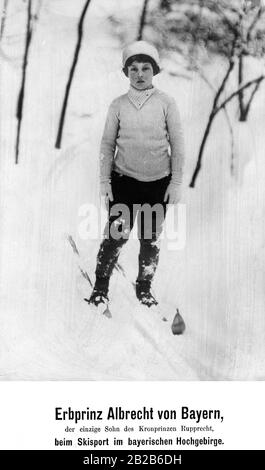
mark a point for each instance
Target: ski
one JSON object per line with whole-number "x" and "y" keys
{"x": 178, "y": 325}
{"x": 105, "y": 310}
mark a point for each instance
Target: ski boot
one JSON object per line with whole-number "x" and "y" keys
{"x": 99, "y": 296}
{"x": 143, "y": 293}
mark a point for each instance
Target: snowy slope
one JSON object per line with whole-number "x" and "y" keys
{"x": 47, "y": 331}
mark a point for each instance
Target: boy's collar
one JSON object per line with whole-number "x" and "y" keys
{"x": 139, "y": 97}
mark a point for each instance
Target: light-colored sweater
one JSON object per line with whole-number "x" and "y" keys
{"x": 143, "y": 137}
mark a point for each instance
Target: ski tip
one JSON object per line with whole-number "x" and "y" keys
{"x": 100, "y": 309}
{"x": 178, "y": 325}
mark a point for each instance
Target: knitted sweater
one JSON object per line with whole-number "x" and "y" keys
{"x": 143, "y": 137}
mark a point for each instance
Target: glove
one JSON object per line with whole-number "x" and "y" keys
{"x": 106, "y": 192}
{"x": 173, "y": 193}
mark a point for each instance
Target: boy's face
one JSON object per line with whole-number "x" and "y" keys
{"x": 140, "y": 75}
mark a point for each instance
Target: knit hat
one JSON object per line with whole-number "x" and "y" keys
{"x": 141, "y": 48}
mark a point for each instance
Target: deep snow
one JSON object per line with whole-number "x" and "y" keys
{"x": 47, "y": 331}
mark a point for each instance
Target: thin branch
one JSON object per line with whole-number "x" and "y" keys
{"x": 222, "y": 86}
{"x": 254, "y": 91}
{"x": 241, "y": 93}
{"x": 71, "y": 75}
{"x": 142, "y": 21}
{"x": 210, "y": 122}
{"x": 212, "y": 116}
{"x": 213, "y": 112}
{"x": 230, "y": 127}
{"x": 235, "y": 93}
{"x": 20, "y": 102}
{"x": 254, "y": 22}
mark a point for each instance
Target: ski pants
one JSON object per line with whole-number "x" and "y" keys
{"x": 133, "y": 199}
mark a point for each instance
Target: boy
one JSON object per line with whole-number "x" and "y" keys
{"x": 137, "y": 172}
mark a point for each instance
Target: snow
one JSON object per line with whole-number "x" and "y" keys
{"x": 47, "y": 330}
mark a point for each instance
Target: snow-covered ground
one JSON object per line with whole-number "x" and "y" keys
{"x": 47, "y": 331}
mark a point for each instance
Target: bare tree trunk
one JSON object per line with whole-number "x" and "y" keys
{"x": 245, "y": 107}
{"x": 230, "y": 127}
{"x": 204, "y": 139}
{"x": 210, "y": 122}
{"x": 19, "y": 113}
{"x": 215, "y": 110}
{"x": 254, "y": 91}
{"x": 142, "y": 21}
{"x": 255, "y": 81}
{"x": 241, "y": 93}
{"x": 71, "y": 75}
{"x": 3, "y": 20}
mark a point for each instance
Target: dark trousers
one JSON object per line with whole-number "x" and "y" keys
{"x": 133, "y": 200}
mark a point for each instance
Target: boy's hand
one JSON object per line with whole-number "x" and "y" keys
{"x": 106, "y": 192}
{"x": 173, "y": 194}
